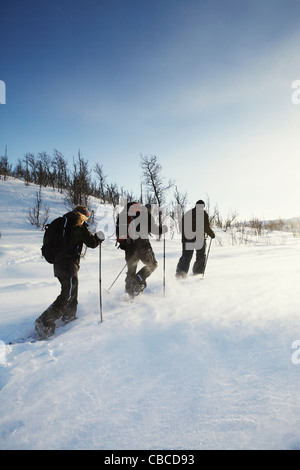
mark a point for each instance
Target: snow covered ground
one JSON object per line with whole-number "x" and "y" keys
{"x": 213, "y": 364}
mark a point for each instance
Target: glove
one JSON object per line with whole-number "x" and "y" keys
{"x": 123, "y": 245}
{"x": 100, "y": 235}
{"x": 164, "y": 229}
{"x": 212, "y": 235}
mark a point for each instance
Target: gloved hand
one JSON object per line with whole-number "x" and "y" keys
{"x": 212, "y": 235}
{"x": 100, "y": 235}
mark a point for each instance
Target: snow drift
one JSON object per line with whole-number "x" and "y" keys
{"x": 213, "y": 364}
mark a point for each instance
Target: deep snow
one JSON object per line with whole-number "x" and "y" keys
{"x": 210, "y": 365}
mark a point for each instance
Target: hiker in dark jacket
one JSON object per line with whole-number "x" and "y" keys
{"x": 134, "y": 225}
{"x": 191, "y": 225}
{"x": 66, "y": 270}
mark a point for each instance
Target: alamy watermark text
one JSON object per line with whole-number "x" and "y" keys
{"x": 2, "y": 92}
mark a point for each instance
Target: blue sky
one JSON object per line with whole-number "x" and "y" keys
{"x": 205, "y": 85}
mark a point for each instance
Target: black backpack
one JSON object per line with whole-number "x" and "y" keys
{"x": 55, "y": 240}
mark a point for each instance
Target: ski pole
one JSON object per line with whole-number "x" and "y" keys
{"x": 100, "y": 282}
{"x": 116, "y": 278}
{"x": 164, "y": 266}
{"x": 207, "y": 257}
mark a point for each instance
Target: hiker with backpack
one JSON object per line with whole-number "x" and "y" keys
{"x": 194, "y": 226}
{"x": 133, "y": 227}
{"x": 62, "y": 246}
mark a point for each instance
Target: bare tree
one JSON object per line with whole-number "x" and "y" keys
{"x": 42, "y": 168}
{"x": 229, "y": 220}
{"x": 19, "y": 171}
{"x": 39, "y": 214}
{"x": 28, "y": 160}
{"x": 102, "y": 179}
{"x": 5, "y": 167}
{"x": 257, "y": 225}
{"x": 80, "y": 183}
{"x": 154, "y": 182}
{"x": 60, "y": 171}
{"x": 112, "y": 194}
{"x": 177, "y": 209}
{"x": 180, "y": 199}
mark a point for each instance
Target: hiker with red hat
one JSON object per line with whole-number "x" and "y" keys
{"x": 66, "y": 266}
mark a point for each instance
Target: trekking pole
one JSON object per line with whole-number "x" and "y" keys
{"x": 100, "y": 282}
{"x": 164, "y": 266}
{"x": 116, "y": 278}
{"x": 207, "y": 257}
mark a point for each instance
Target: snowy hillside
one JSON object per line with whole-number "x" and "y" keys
{"x": 210, "y": 365}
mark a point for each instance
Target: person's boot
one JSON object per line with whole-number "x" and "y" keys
{"x": 138, "y": 284}
{"x": 181, "y": 274}
{"x": 44, "y": 331}
{"x": 134, "y": 286}
{"x": 70, "y": 313}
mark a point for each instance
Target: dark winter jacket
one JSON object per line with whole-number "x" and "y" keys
{"x": 207, "y": 228}
{"x": 77, "y": 235}
{"x": 124, "y": 219}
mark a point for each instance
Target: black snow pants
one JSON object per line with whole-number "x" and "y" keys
{"x": 186, "y": 258}
{"x": 139, "y": 250}
{"x": 65, "y": 305}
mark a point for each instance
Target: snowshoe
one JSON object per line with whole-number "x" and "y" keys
{"x": 135, "y": 287}
{"x": 43, "y": 331}
{"x": 68, "y": 317}
{"x": 181, "y": 274}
